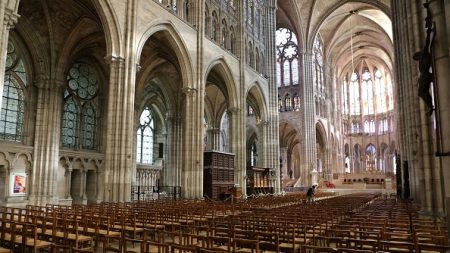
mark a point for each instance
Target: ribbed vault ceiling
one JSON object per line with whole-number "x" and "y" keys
{"x": 352, "y": 31}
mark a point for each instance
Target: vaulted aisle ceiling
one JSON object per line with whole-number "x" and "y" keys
{"x": 350, "y": 30}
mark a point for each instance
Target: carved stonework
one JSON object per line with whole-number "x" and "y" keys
{"x": 112, "y": 59}
{"x": 188, "y": 91}
{"x": 10, "y": 19}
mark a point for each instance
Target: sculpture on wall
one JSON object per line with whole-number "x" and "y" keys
{"x": 425, "y": 58}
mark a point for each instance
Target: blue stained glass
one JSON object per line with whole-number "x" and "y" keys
{"x": 83, "y": 86}
{"x": 69, "y": 123}
{"x": 88, "y": 126}
{"x": 11, "y": 114}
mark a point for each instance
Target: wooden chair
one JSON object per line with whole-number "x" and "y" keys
{"x": 366, "y": 244}
{"x": 316, "y": 249}
{"x": 175, "y": 248}
{"x": 156, "y": 247}
{"x": 396, "y": 246}
{"x": 5, "y": 250}
{"x": 30, "y": 239}
{"x": 345, "y": 250}
{"x": 269, "y": 241}
{"x": 219, "y": 243}
{"x": 326, "y": 241}
{"x": 427, "y": 247}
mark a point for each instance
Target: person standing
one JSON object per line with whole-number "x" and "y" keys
{"x": 310, "y": 193}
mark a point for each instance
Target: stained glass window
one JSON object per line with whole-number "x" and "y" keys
{"x": 253, "y": 154}
{"x": 80, "y": 117}
{"x": 280, "y": 104}
{"x": 224, "y": 130}
{"x": 318, "y": 63}
{"x": 354, "y": 95}
{"x": 296, "y": 103}
{"x": 376, "y": 93}
{"x": 294, "y": 68}
{"x": 70, "y": 123}
{"x": 344, "y": 96}
{"x": 250, "y": 110}
{"x": 287, "y": 57}
{"x": 13, "y": 98}
{"x": 144, "y": 150}
{"x": 287, "y": 103}
{"x": 89, "y": 124}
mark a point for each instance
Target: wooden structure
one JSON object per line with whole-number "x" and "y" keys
{"x": 218, "y": 174}
{"x": 260, "y": 180}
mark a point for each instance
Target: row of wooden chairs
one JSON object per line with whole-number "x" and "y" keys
{"x": 384, "y": 226}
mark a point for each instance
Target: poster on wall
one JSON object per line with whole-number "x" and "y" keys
{"x": 19, "y": 182}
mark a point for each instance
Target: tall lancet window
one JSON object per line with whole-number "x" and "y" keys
{"x": 224, "y": 133}
{"x": 144, "y": 150}
{"x": 367, "y": 93}
{"x": 318, "y": 64}
{"x": 80, "y": 114}
{"x": 287, "y": 57}
{"x": 13, "y": 98}
{"x": 355, "y": 107}
{"x": 344, "y": 98}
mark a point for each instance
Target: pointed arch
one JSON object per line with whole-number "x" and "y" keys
{"x": 68, "y": 52}
{"x": 322, "y": 130}
{"x": 257, "y": 96}
{"x": 110, "y": 27}
{"x": 223, "y": 68}
{"x": 177, "y": 44}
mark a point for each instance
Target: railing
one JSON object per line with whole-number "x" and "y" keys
{"x": 143, "y": 193}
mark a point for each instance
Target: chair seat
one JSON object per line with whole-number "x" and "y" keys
{"x": 3, "y": 250}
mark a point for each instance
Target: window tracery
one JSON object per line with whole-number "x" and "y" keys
{"x": 287, "y": 57}
{"x": 80, "y": 117}
{"x": 144, "y": 150}
{"x": 13, "y": 100}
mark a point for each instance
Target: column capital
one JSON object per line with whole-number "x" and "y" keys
{"x": 111, "y": 59}
{"x": 213, "y": 130}
{"x": 50, "y": 84}
{"x": 263, "y": 123}
{"x": 10, "y": 19}
{"x": 188, "y": 91}
{"x": 234, "y": 110}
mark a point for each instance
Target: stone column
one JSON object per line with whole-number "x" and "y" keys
{"x": 214, "y": 138}
{"x": 308, "y": 145}
{"x": 406, "y": 75}
{"x": 283, "y": 162}
{"x": 8, "y": 13}
{"x": 180, "y": 8}
{"x": 238, "y": 146}
{"x": 100, "y": 183}
{"x": 272, "y": 146}
{"x": 46, "y": 142}
{"x": 261, "y": 146}
{"x": 119, "y": 132}
{"x": 68, "y": 179}
{"x": 83, "y": 185}
{"x": 440, "y": 190}
{"x": 171, "y": 174}
{"x": 192, "y": 166}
